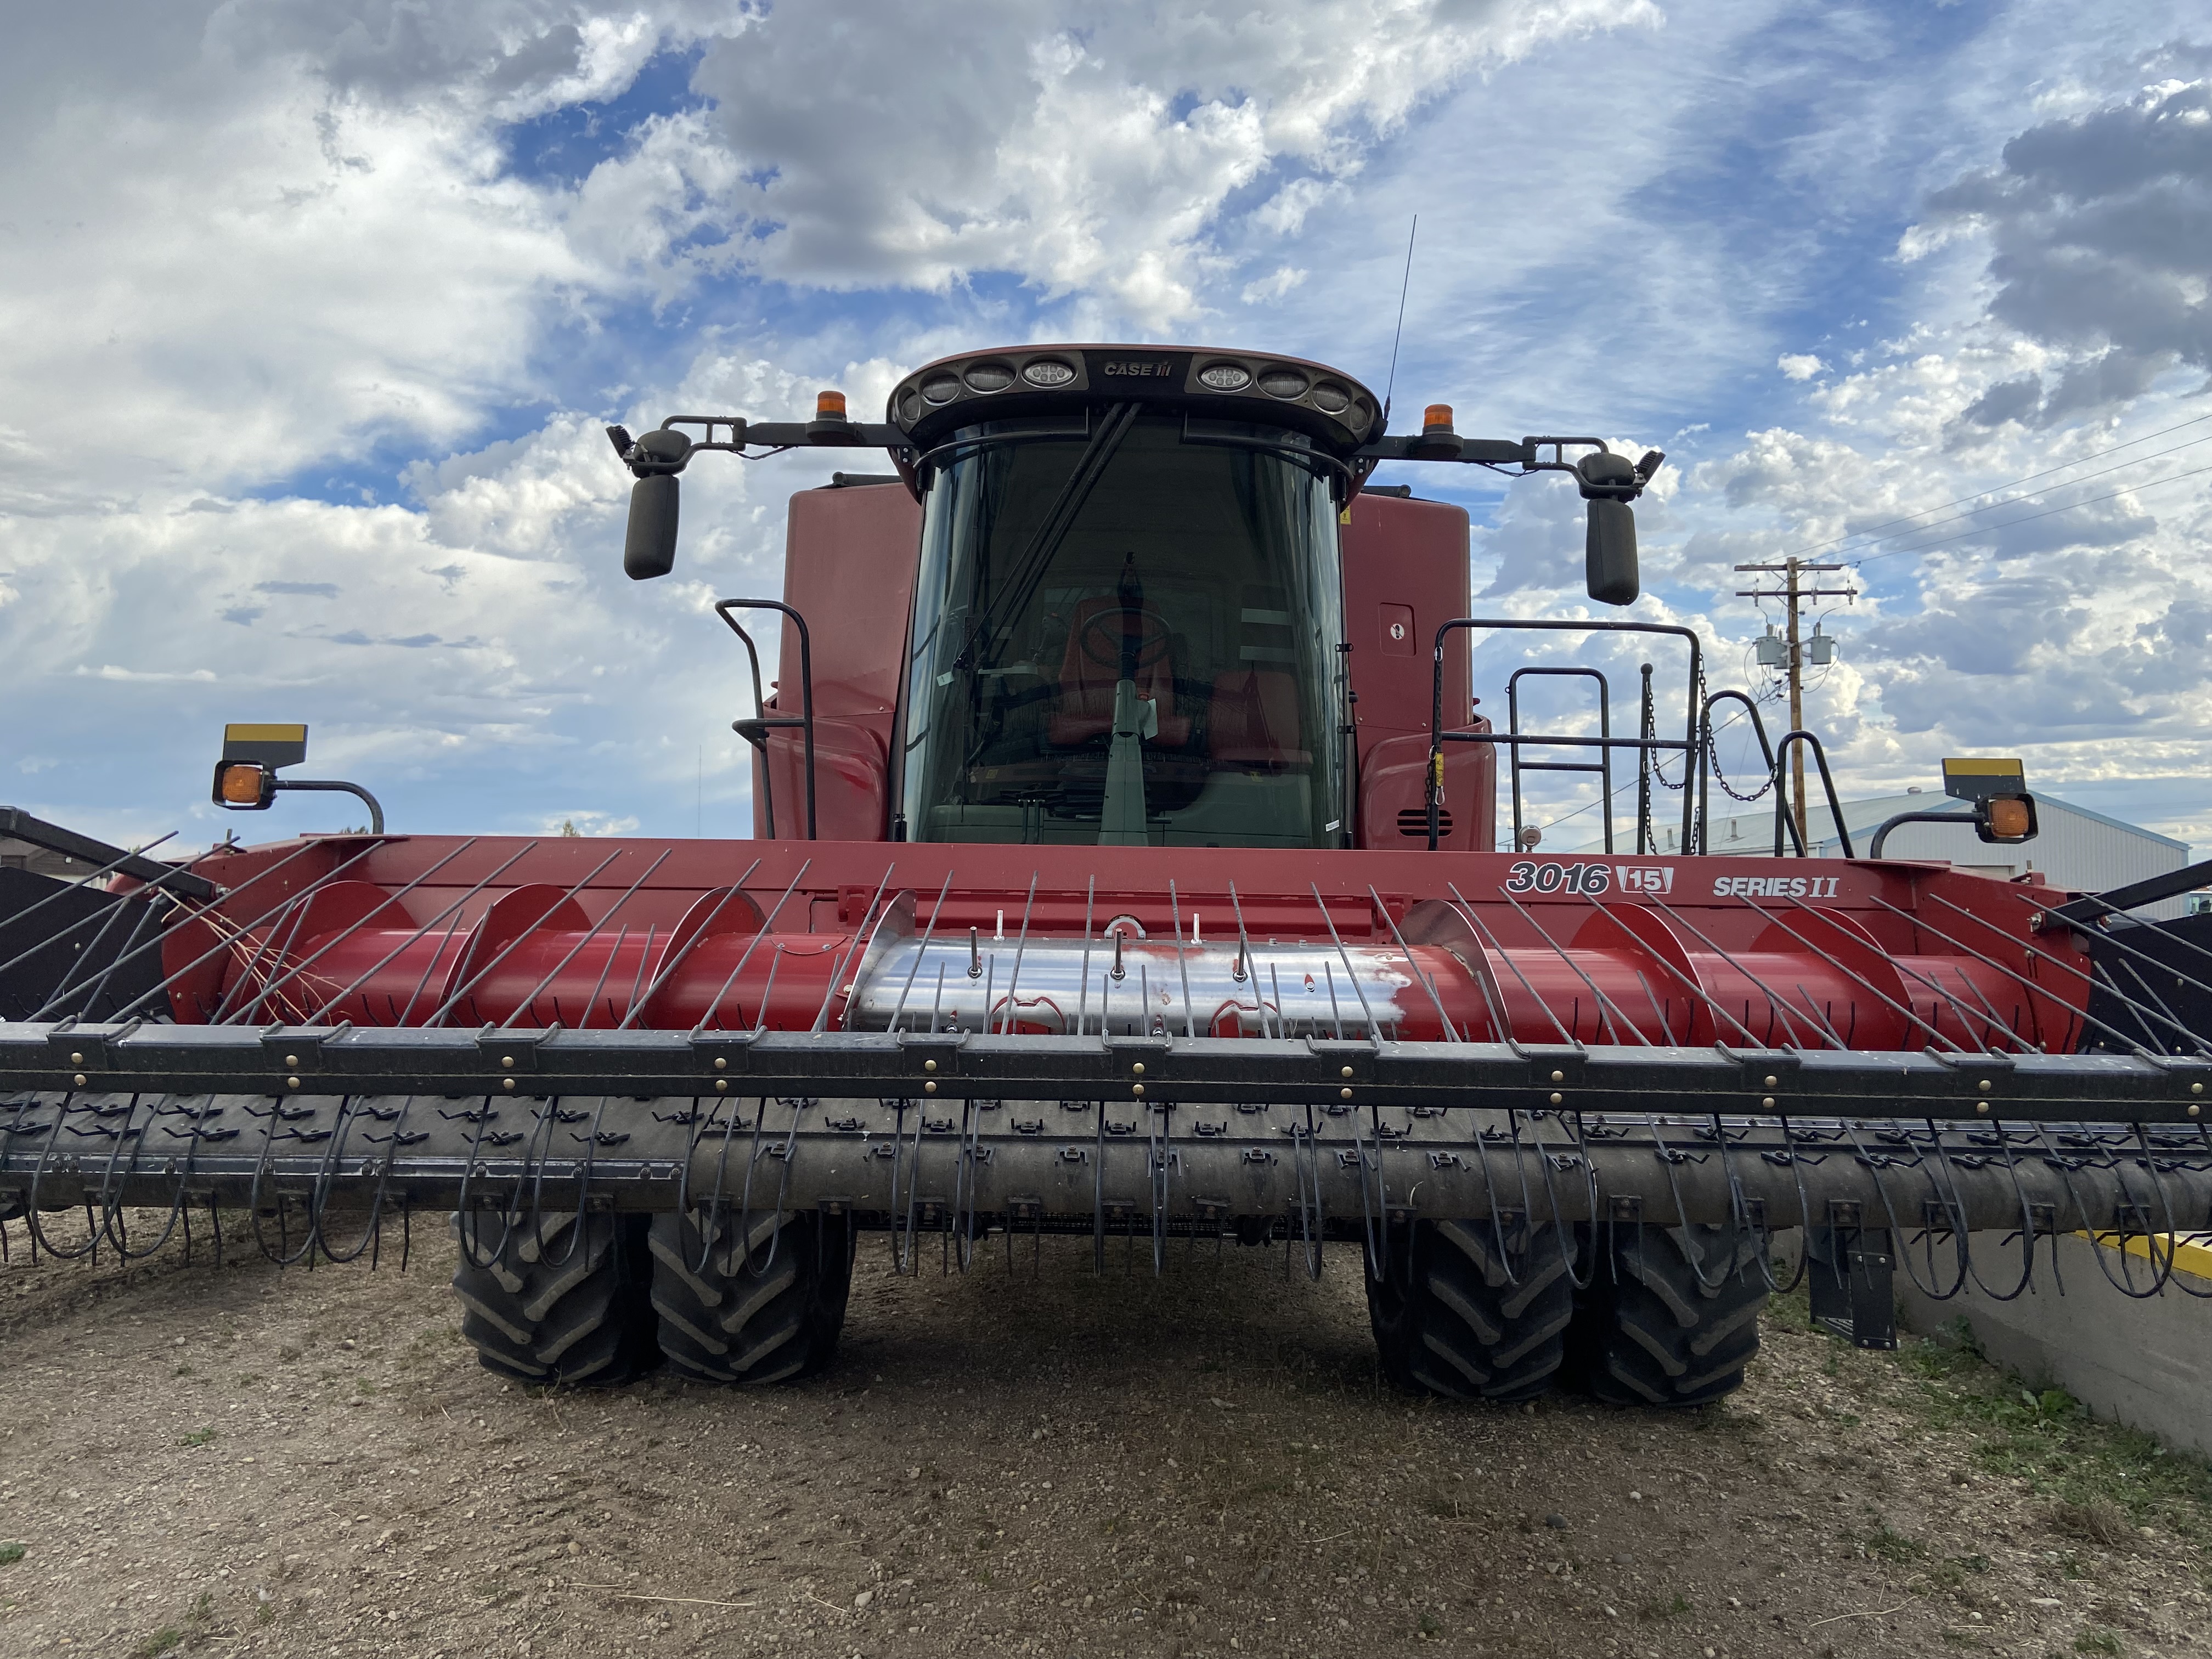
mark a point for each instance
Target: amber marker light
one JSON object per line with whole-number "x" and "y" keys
{"x": 2009, "y": 819}
{"x": 828, "y": 405}
{"x": 241, "y": 785}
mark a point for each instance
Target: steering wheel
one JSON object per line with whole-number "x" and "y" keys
{"x": 1106, "y": 628}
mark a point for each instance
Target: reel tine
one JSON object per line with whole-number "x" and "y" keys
{"x": 1420, "y": 978}
{"x": 746, "y": 956}
{"x": 921, "y": 951}
{"x": 1777, "y": 1004}
{"x": 590, "y": 933}
{"x": 677, "y": 958}
{"x": 2026, "y": 984}
{"x": 1013, "y": 978}
{"x": 1491, "y": 942}
{"x": 311, "y": 1016}
{"x": 1606, "y": 1007}
{"x": 1182, "y": 962}
{"x": 1373, "y": 1026}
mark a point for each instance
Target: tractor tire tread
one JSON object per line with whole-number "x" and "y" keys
{"x": 1460, "y": 1319}
{"x": 727, "y": 1322}
{"x": 584, "y": 1319}
{"x": 1675, "y": 1321}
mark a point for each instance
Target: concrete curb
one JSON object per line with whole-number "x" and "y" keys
{"x": 2144, "y": 1362}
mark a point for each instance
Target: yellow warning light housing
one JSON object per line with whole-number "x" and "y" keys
{"x": 2004, "y": 811}
{"x": 245, "y": 776}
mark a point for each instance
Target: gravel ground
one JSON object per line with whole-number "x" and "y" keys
{"x": 245, "y": 1460}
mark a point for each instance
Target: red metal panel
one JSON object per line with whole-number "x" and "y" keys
{"x": 849, "y": 568}
{"x": 1405, "y": 576}
{"x": 1758, "y": 951}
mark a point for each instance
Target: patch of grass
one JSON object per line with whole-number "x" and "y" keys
{"x": 2098, "y": 1521}
{"x": 1664, "y": 1606}
{"x": 2096, "y": 1640}
{"x": 1885, "y": 1543}
{"x": 198, "y": 1437}
{"x": 170, "y": 1638}
{"x": 2043, "y": 1436}
{"x": 11, "y": 1553}
{"x": 1949, "y": 1573}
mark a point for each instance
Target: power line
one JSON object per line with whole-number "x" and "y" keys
{"x": 1872, "y": 530}
{"x": 2070, "y": 484}
{"x": 2029, "y": 518}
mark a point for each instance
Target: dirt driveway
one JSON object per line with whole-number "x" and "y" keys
{"x": 245, "y": 1460}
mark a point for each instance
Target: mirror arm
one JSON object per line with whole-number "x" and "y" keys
{"x": 738, "y": 436}
{"x": 1497, "y": 454}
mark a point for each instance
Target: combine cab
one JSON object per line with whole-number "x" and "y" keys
{"x": 1122, "y": 867}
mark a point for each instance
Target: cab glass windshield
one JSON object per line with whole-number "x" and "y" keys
{"x": 1125, "y": 633}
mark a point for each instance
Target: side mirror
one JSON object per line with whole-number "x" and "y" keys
{"x": 1609, "y": 553}
{"x": 649, "y": 548}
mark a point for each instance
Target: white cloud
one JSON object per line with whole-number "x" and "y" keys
{"x": 1284, "y": 212}
{"x": 1800, "y": 366}
{"x": 1084, "y": 150}
{"x": 1274, "y": 286}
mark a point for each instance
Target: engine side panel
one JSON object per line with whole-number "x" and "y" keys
{"x": 849, "y": 568}
{"x": 1405, "y": 576}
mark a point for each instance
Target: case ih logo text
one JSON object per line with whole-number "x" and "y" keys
{"x": 1775, "y": 886}
{"x": 1157, "y": 369}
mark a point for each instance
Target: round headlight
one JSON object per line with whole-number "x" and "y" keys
{"x": 910, "y": 407}
{"x": 1283, "y": 383}
{"x": 1331, "y": 398}
{"x": 1362, "y": 415}
{"x": 1047, "y": 371}
{"x": 941, "y": 389}
{"x": 1224, "y": 377}
{"x": 989, "y": 377}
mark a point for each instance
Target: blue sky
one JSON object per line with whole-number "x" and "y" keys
{"x": 318, "y": 307}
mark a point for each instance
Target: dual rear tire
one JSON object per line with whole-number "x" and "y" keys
{"x": 600, "y": 1304}
{"x": 1671, "y": 1319}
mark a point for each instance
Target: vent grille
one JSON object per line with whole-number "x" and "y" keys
{"x": 1414, "y": 821}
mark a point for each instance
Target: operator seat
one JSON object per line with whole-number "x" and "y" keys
{"x": 1252, "y": 723}
{"x": 1087, "y": 685}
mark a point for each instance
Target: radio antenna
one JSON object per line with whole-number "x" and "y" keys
{"x": 1403, "y": 287}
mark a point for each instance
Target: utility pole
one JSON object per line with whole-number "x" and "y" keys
{"x": 1793, "y": 595}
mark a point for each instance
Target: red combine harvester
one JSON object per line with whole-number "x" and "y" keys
{"x": 1123, "y": 867}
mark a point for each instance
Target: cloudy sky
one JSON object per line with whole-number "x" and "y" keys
{"x": 314, "y": 309}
